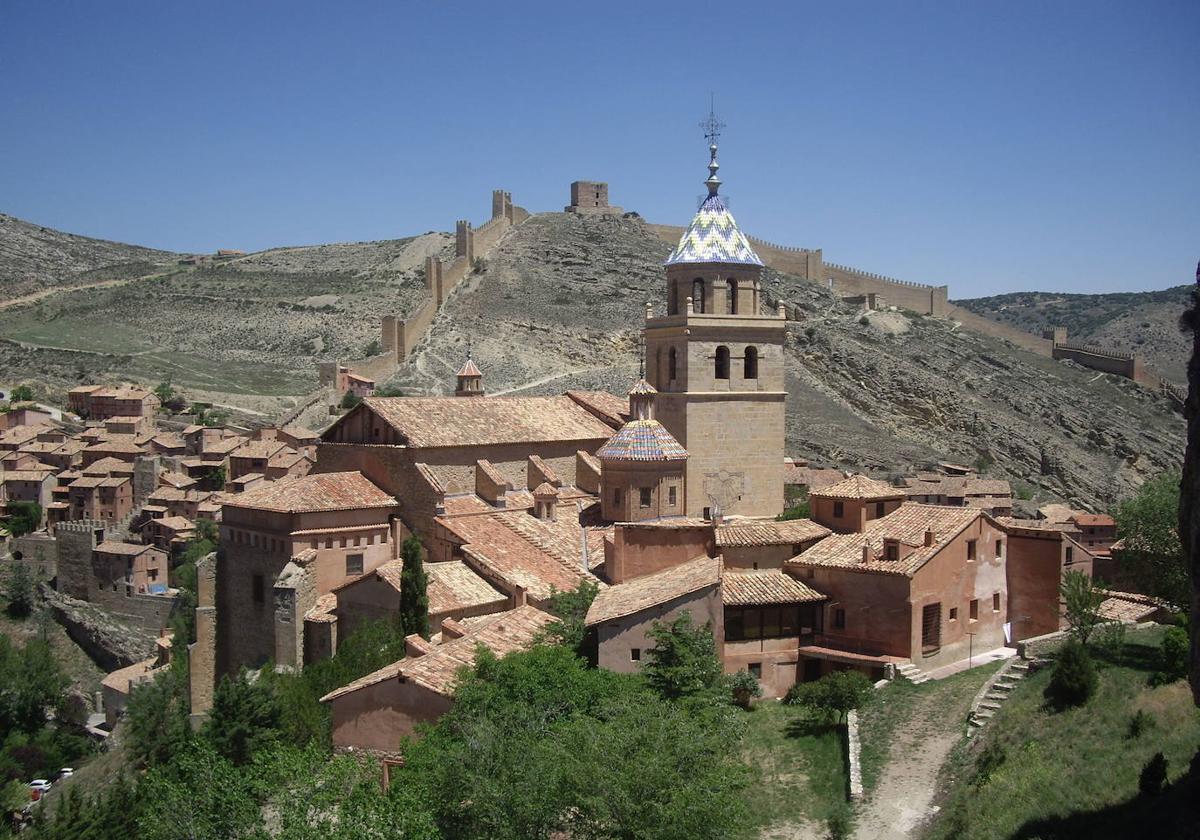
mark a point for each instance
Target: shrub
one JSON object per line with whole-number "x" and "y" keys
{"x": 1074, "y": 678}
{"x": 683, "y": 661}
{"x": 1139, "y": 723}
{"x": 350, "y": 400}
{"x": 21, "y": 393}
{"x": 1154, "y": 776}
{"x": 865, "y": 321}
{"x": 800, "y": 510}
{"x": 18, "y": 590}
{"x": 833, "y": 694}
{"x": 745, "y": 687}
{"x": 990, "y": 759}
{"x": 24, "y": 517}
{"x": 1173, "y": 657}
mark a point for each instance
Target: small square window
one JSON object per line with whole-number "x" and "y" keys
{"x": 974, "y": 609}
{"x": 635, "y": 654}
{"x": 755, "y": 669}
{"x": 354, "y": 564}
{"x": 954, "y": 613}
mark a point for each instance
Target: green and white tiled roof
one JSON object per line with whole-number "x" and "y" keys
{"x": 642, "y": 440}
{"x": 713, "y": 237}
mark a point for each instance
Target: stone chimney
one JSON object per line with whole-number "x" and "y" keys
{"x": 490, "y": 484}
{"x": 867, "y": 553}
{"x": 451, "y": 629}
{"x": 415, "y": 646}
{"x": 930, "y": 537}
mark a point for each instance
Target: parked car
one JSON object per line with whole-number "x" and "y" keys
{"x": 66, "y": 773}
{"x": 38, "y": 788}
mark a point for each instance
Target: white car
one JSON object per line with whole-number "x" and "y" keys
{"x": 38, "y": 788}
{"x": 66, "y": 773}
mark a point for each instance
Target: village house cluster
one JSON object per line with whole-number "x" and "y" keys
{"x": 667, "y": 500}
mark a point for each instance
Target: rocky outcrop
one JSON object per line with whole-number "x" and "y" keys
{"x": 110, "y": 643}
{"x": 1189, "y": 489}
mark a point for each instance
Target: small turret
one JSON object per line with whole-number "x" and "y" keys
{"x": 470, "y": 379}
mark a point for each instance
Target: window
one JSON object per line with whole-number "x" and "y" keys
{"x": 644, "y": 497}
{"x": 672, "y": 365}
{"x": 971, "y": 549}
{"x": 954, "y": 613}
{"x": 999, "y": 549}
{"x": 721, "y": 370}
{"x": 891, "y": 551}
{"x": 731, "y": 291}
{"x": 839, "y": 510}
{"x": 698, "y": 295}
{"x": 1070, "y": 555}
{"x": 839, "y": 619}
{"x": 354, "y": 564}
{"x": 755, "y": 669}
{"x": 616, "y": 495}
{"x": 995, "y": 602}
{"x": 672, "y": 496}
{"x": 707, "y": 513}
{"x": 635, "y": 654}
{"x": 879, "y": 509}
{"x": 329, "y": 542}
{"x": 750, "y": 364}
{"x": 974, "y": 609}
{"x": 773, "y": 622}
{"x": 931, "y": 628}
{"x": 256, "y": 588}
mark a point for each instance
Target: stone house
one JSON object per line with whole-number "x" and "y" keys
{"x": 374, "y": 713}
{"x": 133, "y": 568}
{"x": 849, "y": 505}
{"x": 108, "y": 498}
{"x": 1097, "y": 531}
{"x": 169, "y": 533}
{"x": 765, "y": 544}
{"x": 1040, "y": 552}
{"x": 923, "y": 583}
{"x": 99, "y": 402}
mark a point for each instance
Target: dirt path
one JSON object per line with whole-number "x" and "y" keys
{"x": 102, "y": 284}
{"x": 902, "y": 799}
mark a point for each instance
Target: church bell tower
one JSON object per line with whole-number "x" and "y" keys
{"x": 716, "y": 360}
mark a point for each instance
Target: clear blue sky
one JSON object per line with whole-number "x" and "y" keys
{"x": 992, "y": 146}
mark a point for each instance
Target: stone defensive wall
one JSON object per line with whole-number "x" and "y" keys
{"x": 1128, "y": 365}
{"x": 400, "y": 335}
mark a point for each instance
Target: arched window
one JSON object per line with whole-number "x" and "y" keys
{"x": 751, "y": 364}
{"x": 731, "y": 292}
{"x": 672, "y": 365}
{"x": 698, "y": 295}
{"x": 722, "y": 366}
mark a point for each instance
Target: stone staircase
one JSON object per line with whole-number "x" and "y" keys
{"x": 993, "y": 694}
{"x": 912, "y": 673}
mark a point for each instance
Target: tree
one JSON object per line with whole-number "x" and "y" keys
{"x": 198, "y": 795}
{"x": 157, "y": 716}
{"x": 21, "y": 393}
{"x": 414, "y": 601}
{"x": 1173, "y": 657}
{"x": 1074, "y": 680}
{"x": 30, "y": 683}
{"x": 164, "y": 391}
{"x": 571, "y": 610}
{"x": 1082, "y": 600}
{"x": 683, "y": 662}
{"x": 833, "y": 694}
{"x": 1148, "y": 525}
{"x": 24, "y": 517}
{"x": 799, "y": 510}
{"x": 373, "y": 348}
{"x": 350, "y": 399}
{"x": 214, "y": 479}
{"x": 745, "y": 687}
{"x": 19, "y": 590}
{"x": 245, "y": 719}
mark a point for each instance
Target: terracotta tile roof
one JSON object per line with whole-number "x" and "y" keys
{"x": 123, "y": 679}
{"x": 610, "y": 408}
{"x": 1128, "y": 606}
{"x": 644, "y": 592}
{"x": 322, "y": 491}
{"x": 859, "y": 487}
{"x": 766, "y": 532}
{"x": 485, "y": 421}
{"x": 452, "y": 585}
{"x": 1094, "y": 520}
{"x": 813, "y": 478}
{"x": 437, "y": 670}
{"x": 987, "y": 487}
{"x": 908, "y": 524}
{"x": 115, "y": 547}
{"x": 1035, "y": 527}
{"x": 224, "y": 446}
{"x": 115, "y": 445}
{"x": 258, "y": 449}
{"x": 1056, "y": 512}
{"x": 300, "y": 434}
{"x": 764, "y": 586}
{"x": 106, "y": 466}
{"x": 469, "y": 368}
{"x": 642, "y": 440}
{"x": 173, "y": 523}
{"x": 545, "y": 490}
{"x": 323, "y": 610}
{"x": 26, "y": 475}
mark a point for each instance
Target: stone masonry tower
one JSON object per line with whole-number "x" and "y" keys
{"x": 717, "y": 363}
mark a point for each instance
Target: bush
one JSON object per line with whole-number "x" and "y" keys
{"x": 24, "y": 517}
{"x": 745, "y": 687}
{"x": 800, "y": 510}
{"x": 350, "y": 400}
{"x": 1074, "y": 679}
{"x": 1153, "y": 780}
{"x": 18, "y": 590}
{"x": 990, "y": 760}
{"x": 833, "y": 694}
{"x": 22, "y": 393}
{"x": 1173, "y": 657}
{"x": 1139, "y": 723}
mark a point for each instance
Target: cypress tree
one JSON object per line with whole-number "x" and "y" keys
{"x": 414, "y": 602}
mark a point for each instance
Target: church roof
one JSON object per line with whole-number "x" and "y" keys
{"x": 642, "y": 440}
{"x": 469, "y": 368}
{"x": 713, "y": 237}
{"x": 642, "y": 387}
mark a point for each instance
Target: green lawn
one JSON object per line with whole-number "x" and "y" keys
{"x": 1075, "y": 773}
{"x": 800, "y": 762}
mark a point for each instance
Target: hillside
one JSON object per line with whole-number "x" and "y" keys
{"x": 253, "y": 325}
{"x": 561, "y": 305}
{"x": 1143, "y": 322}
{"x": 35, "y": 258}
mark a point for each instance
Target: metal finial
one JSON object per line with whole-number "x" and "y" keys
{"x": 712, "y": 128}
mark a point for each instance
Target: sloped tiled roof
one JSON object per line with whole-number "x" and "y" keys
{"x": 642, "y": 440}
{"x": 123, "y": 548}
{"x": 908, "y": 524}
{"x": 452, "y": 585}
{"x": 436, "y": 670}
{"x": 610, "y": 408}
{"x": 859, "y": 487}
{"x": 485, "y": 421}
{"x": 713, "y": 237}
{"x": 469, "y": 368}
{"x": 764, "y": 532}
{"x": 644, "y": 592}
{"x": 323, "y": 491}
{"x": 764, "y": 586}
{"x": 1093, "y": 520}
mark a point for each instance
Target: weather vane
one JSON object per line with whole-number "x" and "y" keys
{"x": 712, "y": 126}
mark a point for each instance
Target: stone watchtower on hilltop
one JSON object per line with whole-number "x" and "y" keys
{"x": 591, "y": 197}
{"x": 717, "y": 363}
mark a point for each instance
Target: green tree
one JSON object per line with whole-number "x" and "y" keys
{"x": 1148, "y": 525}
{"x": 414, "y": 600}
{"x": 199, "y": 796}
{"x": 350, "y": 400}
{"x": 164, "y": 391}
{"x": 157, "y": 716}
{"x": 31, "y": 682}
{"x": 833, "y": 695}
{"x": 570, "y": 609}
{"x": 799, "y": 510}
{"x": 1073, "y": 680}
{"x": 214, "y": 479}
{"x": 21, "y": 393}
{"x": 244, "y": 720}
{"x": 19, "y": 590}
{"x": 373, "y": 348}
{"x": 1173, "y": 657}
{"x": 683, "y": 662}
{"x": 24, "y": 517}
{"x": 1082, "y": 600}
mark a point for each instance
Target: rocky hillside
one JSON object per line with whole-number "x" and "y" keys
{"x": 35, "y": 258}
{"x": 257, "y": 324}
{"x": 561, "y": 305}
{"x": 1144, "y": 322}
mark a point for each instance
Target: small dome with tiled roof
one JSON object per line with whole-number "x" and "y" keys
{"x": 642, "y": 440}
{"x": 545, "y": 490}
{"x": 469, "y": 368}
{"x": 713, "y": 237}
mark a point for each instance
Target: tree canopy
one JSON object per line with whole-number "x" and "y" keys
{"x": 1148, "y": 523}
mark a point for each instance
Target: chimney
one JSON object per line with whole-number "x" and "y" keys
{"x": 867, "y": 554}
{"x": 451, "y": 629}
{"x": 930, "y": 537}
{"x": 520, "y": 598}
{"x": 415, "y": 646}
